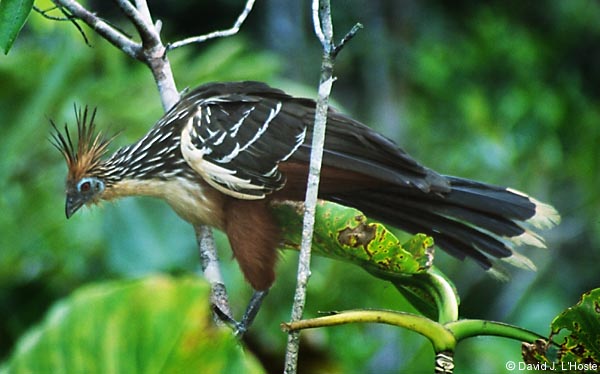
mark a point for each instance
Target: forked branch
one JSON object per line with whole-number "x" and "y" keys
{"x": 216, "y": 34}
{"x": 324, "y": 31}
{"x": 108, "y": 32}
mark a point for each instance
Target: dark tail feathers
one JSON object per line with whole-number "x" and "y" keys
{"x": 474, "y": 219}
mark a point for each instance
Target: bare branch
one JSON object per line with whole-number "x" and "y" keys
{"x": 142, "y": 7}
{"x": 322, "y": 10}
{"x": 216, "y": 34}
{"x": 150, "y": 51}
{"x": 209, "y": 262}
{"x": 141, "y": 20}
{"x": 153, "y": 51}
{"x": 324, "y": 31}
{"x": 114, "y": 36}
{"x": 346, "y": 38}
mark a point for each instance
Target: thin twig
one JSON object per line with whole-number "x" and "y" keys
{"x": 73, "y": 20}
{"x": 317, "y": 23}
{"x": 141, "y": 20}
{"x": 142, "y": 7}
{"x": 44, "y": 13}
{"x": 324, "y": 31}
{"x": 346, "y": 38}
{"x": 114, "y": 36}
{"x": 216, "y": 34}
{"x": 153, "y": 51}
{"x": 68, "y": 17}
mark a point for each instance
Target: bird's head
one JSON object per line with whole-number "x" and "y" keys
{"x": 85, "y": 184}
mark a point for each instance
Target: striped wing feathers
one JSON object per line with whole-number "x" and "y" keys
{"x": 236, "y": 143}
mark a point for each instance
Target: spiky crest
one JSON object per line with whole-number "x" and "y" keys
{"x": 89, "y": 149}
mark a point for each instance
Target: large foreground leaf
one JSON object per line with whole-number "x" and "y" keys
{"x": 153, "y": 325}
{"x": 13, "y": 14}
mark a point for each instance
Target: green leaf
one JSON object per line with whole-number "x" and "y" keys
{"x": 346, "y": 234}
{"x": 13, "y": 14}
{"x": 580, "y": 349}
{"x": 156, "y": 324}
{"x": 582, "y": 344}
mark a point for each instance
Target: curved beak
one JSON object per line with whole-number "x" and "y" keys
{"x": 72, "y": 204}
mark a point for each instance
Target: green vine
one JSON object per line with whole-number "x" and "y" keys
{"x": 348, "y": 235}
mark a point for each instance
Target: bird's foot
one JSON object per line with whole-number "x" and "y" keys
{"x": 223, "y": 313}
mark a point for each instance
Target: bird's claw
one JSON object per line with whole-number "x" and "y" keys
{"x": 241, "y": 327}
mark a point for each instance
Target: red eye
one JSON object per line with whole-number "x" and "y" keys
{"x": 85, "y": 186}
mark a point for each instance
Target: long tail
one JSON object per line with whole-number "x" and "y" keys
{"x": 476, "y": 220}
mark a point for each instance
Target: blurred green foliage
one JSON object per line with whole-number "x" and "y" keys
{"x": 153, "y": 325}
{"x": 503, "y": 91}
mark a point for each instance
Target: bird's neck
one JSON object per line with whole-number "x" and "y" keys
{"x": 157, "y": 155}
{"x": 191, "y": 198}
{"x": 154, "y": 166}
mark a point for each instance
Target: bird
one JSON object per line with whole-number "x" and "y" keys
{"x": 227, "y": 151}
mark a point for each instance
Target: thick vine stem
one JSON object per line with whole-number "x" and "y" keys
{"x": 440, "y": 337}
{"x": 467, "y": 328}
{"x": 440, "y": 290}
{"x": 443, "y": 337}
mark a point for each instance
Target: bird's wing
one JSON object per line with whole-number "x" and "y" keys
{"x": 236, "y": 141}
{"x": 236, "y": 134}
{"x": 353, "y": 146}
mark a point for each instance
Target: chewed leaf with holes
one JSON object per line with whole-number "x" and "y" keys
{"x": 346, "y": 234}
{"x": 152, "y": 325}
{"x": 579, "y": 350}
{"x": 582, "y": 344}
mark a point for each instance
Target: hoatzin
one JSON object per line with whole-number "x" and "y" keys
{"x": 226, "y": 151}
